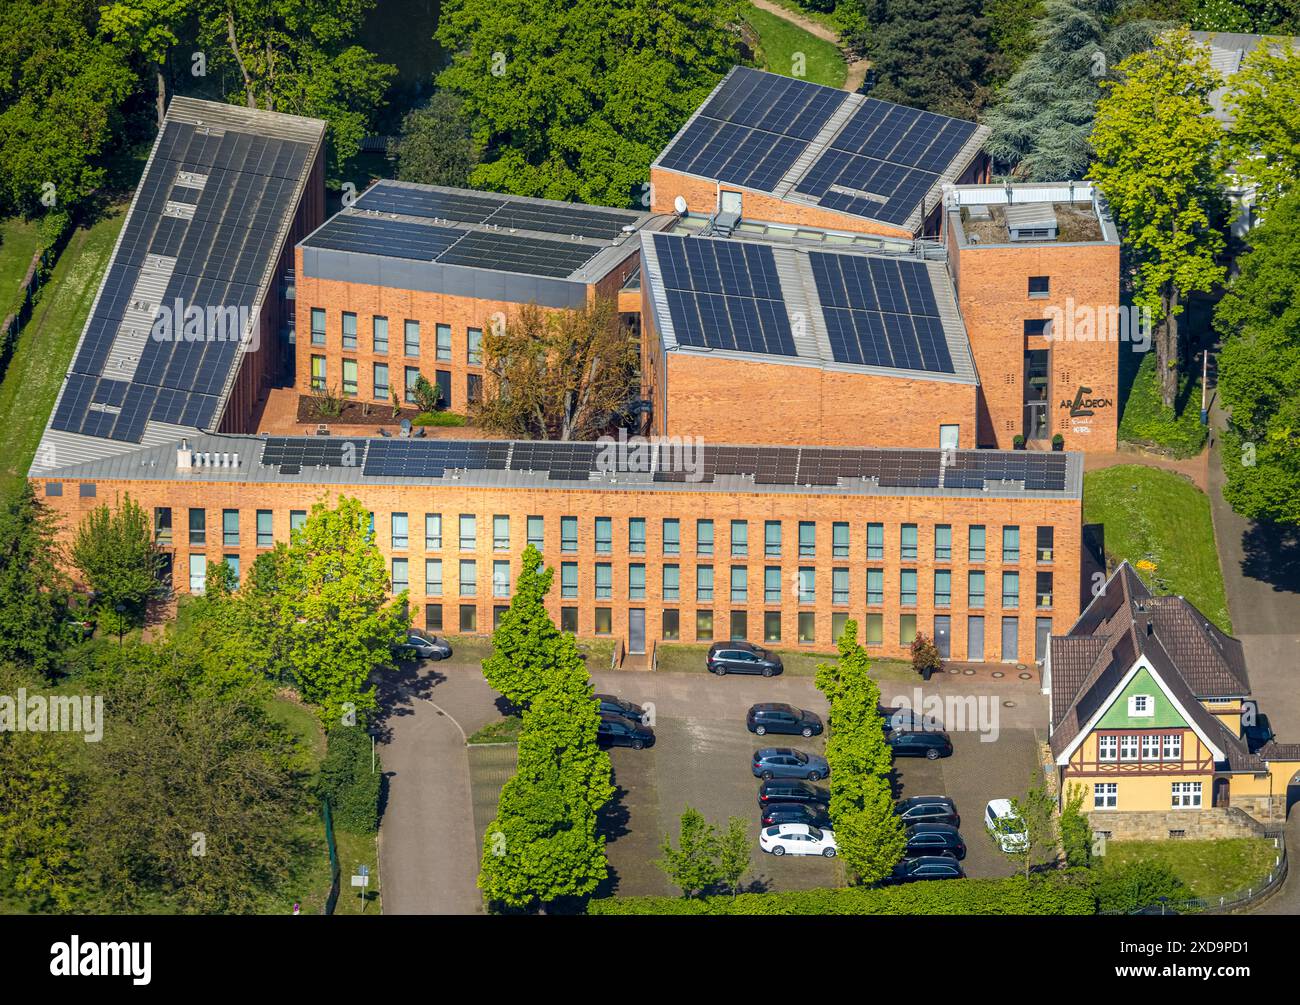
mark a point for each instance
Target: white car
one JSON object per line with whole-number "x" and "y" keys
{"x": 1005, "y": 825}
{"x": 797, "y": 839}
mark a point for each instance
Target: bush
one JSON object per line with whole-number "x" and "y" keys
{"x": 439, "y": 419}
{"x": 1015, "y": 895}
{"x": 1130, "y": 887}
{"x": 1148, "y": 423}
{"x": 347, "y": 781}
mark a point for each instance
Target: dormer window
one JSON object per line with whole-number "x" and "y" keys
{"x": 1141, "y": 705}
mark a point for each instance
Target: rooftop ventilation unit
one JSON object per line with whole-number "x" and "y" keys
{"x": 1032, "y": 221}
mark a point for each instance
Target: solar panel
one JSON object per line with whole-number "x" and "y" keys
{"x": 313, "y": 452}
{"x": 386, "y": 198}
{"x": 510, "y": 253}
{"x": 371, "y": 235}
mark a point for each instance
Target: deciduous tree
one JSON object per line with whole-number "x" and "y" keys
{"x": 435, "y": 146}
{"x": 115, "y": 552}
{"x": 693, "y": 864}
{"x": 1264, "y": 138}
{"x": 524, "y": 645}
{"x": 33, "y": 595}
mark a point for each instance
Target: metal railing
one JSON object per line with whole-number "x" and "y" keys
{"x": 1235, "y": 900}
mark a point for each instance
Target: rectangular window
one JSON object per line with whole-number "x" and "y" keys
{"x": 1151, "y": 747}
{"x": 976, "y": 551}
{"x": 433, "y": 617}
{"x": 839, "y": 586}
{"x": 1128, "y": 748}
{"x": 381, "y": 382}
{"x": 230, "y": 528}
{"x": 468, "y": 531}
{"x": 401, "y": 575}
{"x": 501, "y": 579}
{"x": 840, "y": 540}
{"x": 975, "y": 588}
{"x": 943, "y": 542}
{"x": 739, "y": 538}
{"x": 875, "y": 540}
{"x": 672, "y": 582}
{"x": 875, "y": 586}
{"x": 297, "y": 517}
{"x": 1039, "y": 286}
{"x": 569, "y": 619}
{"x": 636, "y": 581}
{"x": 739, "y": 625}
{"x": 1010, "y": 589}
{"x": 433, "y": 532}
{"x": 1186, "y": 795}
{"x": 474, "y": 346}
{"x": 501, "y": 533}
{"x": 1011, "y": 544}
{"x": 807, "y": 539}
{"x": 703, "y": 582}
{"x": 379, "y": 334}
{"x": 1172, "y": 749}
{"x": 349, "y": 330}
{"x": 433, "y": 577}
{"x": 1105, "y": 795}
{"x": 672, "y": 625}
{"x": 672, "y": 537}
{"x": 400, "y": 532}
{"x": 473, "y": 387}
{"x": 1036, "y": 326}
{"x": 1045, "y": 538}
{"x": 350, "y": 378}
{"x": 907, "y": 542}
{"x": 410, "y": 377}
{"x": 232, "y": 563}
{"x": 536, "y": 531}
{"x": 198, "y": 526}
{"x": 907, "y": 587}
{"x": 568, "y": 533}
{"x": 411, "y": 338}
{"x": 318, "y": 377}
{"x": 807, "y": 584}
{"x": 442, "y": 336}
{"x": 839, "y": 621}
{"x": 1108, "y": 748}
{"x": 569, "y": 580}
{"x": 875, "y": 629}
{"x": 162, "y": 524}
{"x": 198, "y": 574}
{"x": 772, "y": 584}
{"x": 739, "y": 584}
{"x": 604, "y": 581}
{"x": 771, "y": 626}
{"x": 942, "y": 588}
{"x": 772, "y": 538}
{"x": 906, "y": 629}
{"x": 317, "y": 326}
{"x": 1043, "y": 589}
{"x": 468, "y": 618}
{"x": 704, "y": 537}
{"x": 468, "y": 577}
{"x": 604, "y": 535}
{"x": 636, "y": 535}
{"x": 807, "y": 627}
{"x": 704, "y": 626}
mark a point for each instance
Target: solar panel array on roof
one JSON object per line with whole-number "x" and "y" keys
{"x": 368, "y": 234}
{"x": 1038, "y": 470}
{"x": 881, "y": 312}
{"x": 241, "y": 186}
{"x": 561, "y": 461}
{"x": 404, "y": 458}
{"x": 724, "y": 295}
{"x": 510, "y": 253}
{"x": 753, "y": 129}
{"x": 297, "y": 452}
{"x": 496, "y": 210}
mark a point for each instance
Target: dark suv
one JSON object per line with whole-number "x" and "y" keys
{"x": 620, "y": 732}
{"x": 934, "y": 839}
{"x": 928, "y": 809}
{"x": 812, "y": 814}
{"x": 783, "y": 762}
{"x": 612, "y": 705}
{"x": 927, "y": 867}
{"x": 792, "y": 790}
{"x": 905, "y": 743}
{"x": 776, "y": 717}
{"x": 743, "y": 657}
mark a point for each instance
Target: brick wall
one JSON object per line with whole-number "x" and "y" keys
{"x": 1156, "y": 825}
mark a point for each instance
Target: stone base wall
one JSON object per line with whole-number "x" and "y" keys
{"x": 1156, "y": 825}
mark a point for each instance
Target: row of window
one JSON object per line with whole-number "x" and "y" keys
{"x": 410, "y": 336}
{"x": 1136, "y": 748}
{"x": 381, "y": 390}
{"x": 1182, "y": 795}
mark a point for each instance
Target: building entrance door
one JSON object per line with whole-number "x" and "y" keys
{"x": 1037, "y": 367}
{"x": 636, "y": 631}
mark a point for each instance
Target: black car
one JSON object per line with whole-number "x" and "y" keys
{"x": 1257, "y": 733}
{"x": 785, "y": 762}
{"x": 422, "y": 645}
{"x": 910, "y": 743}
{"x": 743, "y": 657}
{"x": 777, "y": 717}
{"x": 928, "y": 809}
{"x": 812, "y": 814}
{"x": 928, "y": 867}
{"x": 906, "y": 718}
{"x": 792, "y": 790}
{"x": 611, "y": 705}
{"x": 934, "y": 839}
{"x": 620, "y": 732}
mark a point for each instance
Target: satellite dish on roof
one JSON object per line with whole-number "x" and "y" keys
{"x": 679, "y": 204}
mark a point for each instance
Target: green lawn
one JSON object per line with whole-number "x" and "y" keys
{"x": 688, "y": 658}
{"x": 502, "y": 731}
{"x": 821, "y": 17}
{"x": 46, "y": 344}
{"x": 18, "y": 240}
{"x": 1209, "y": 868}
{"x": 780, "y": 41}
{"x": 1148, "y": 423}
{"x": 1158, "y": 517}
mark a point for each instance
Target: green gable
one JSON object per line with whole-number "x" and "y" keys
{"x": 1166, "y": 715}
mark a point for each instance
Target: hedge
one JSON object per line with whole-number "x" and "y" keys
{"x": 346, "y": 779}
{"x": 1015, "y": 895}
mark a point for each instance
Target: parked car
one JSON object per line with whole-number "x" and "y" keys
{"x": 1005, "y": 825}
{"x": 909, "y": 743}
{"x": 907, "y": 718}
{"x": 1256, "y": 730}
{"x": 797, "y": 839}
{"x": 776, "y": 717}
{"x": 934, "y": 839}
{"x": 743, "y": 657}
{"x": 927, "y": 867}
{"x": 421, "y": 645}
{"x": 611, "y": 705}
{"x": 812, "y": 814}
{"x": 785, "y": 762}
{"x": 928, "y": 809}
{"x": 792, "y": 790}
{"x": 617, "y": 731}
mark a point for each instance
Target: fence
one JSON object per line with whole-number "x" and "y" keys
{"x": 1238, "y": 898}
{"x": 335, "y": 872}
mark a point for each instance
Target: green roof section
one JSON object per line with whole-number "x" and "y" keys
{"x": 1166, "y": 715}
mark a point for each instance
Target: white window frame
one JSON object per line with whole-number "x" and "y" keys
{"x": 1105, "y": 795}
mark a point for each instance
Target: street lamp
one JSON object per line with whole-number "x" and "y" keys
{"x": 121, "y": 610}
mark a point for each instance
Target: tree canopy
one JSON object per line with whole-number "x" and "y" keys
{"x": 435, "y": 146}
{"x": 33, "y": 592}
{"x": 115, "y": 552}
{"x": 1264, "y": 139}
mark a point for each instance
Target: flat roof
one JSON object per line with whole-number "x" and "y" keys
{"x": 819, "y": 146}
{"x": 203, "y": 233}
{"x": 829, "y": 307}
{"x": 982, "y": 214}
{"x": 530, "y": 464}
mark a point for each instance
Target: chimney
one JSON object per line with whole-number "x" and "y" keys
{"x": 184, "y": 459}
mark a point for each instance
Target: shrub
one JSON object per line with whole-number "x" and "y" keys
{"x": 347, "y": 781}
{"x": 1146, "y": 420}
{"x": 439, "y": 419}
{"x": 925, "y": 655}
{"x": 1130, "y": 887}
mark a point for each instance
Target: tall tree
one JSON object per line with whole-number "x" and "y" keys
{"x": 573, "y": 101}
{"x": 148, "y": 28}
{"x": 33, "y": 595}
{"x": 693, "y": 864}
{"x": 557, "y": 375}
{"x": 435, "y": 146}
{"x": 931, "y": 54}
{"x": 1011, "y": 32}
{"x": 1042, "y": 118}
{"x": 1160, "y": 164}
{"x": 115, "y": 552}
{"x": 1259, "y": 371}
{"x": 524, "y": 644}
{"x": 1264, "y": 138}
{"x": 39, "y": 852}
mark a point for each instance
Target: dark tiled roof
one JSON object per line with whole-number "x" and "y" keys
{"x": 1211, "y": 662}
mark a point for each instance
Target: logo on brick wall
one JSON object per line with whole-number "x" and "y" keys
{"x": 1083, "y": 406}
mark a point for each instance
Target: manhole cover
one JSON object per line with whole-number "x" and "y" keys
{"x": 998, "y": 673}
{"x": 1025, "y": 676}
{"x": 969, "y": 673}
{"x": 1021, "y": 666}
{"x": 1008, "y": 704}
{"x": 953, "y": 670}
